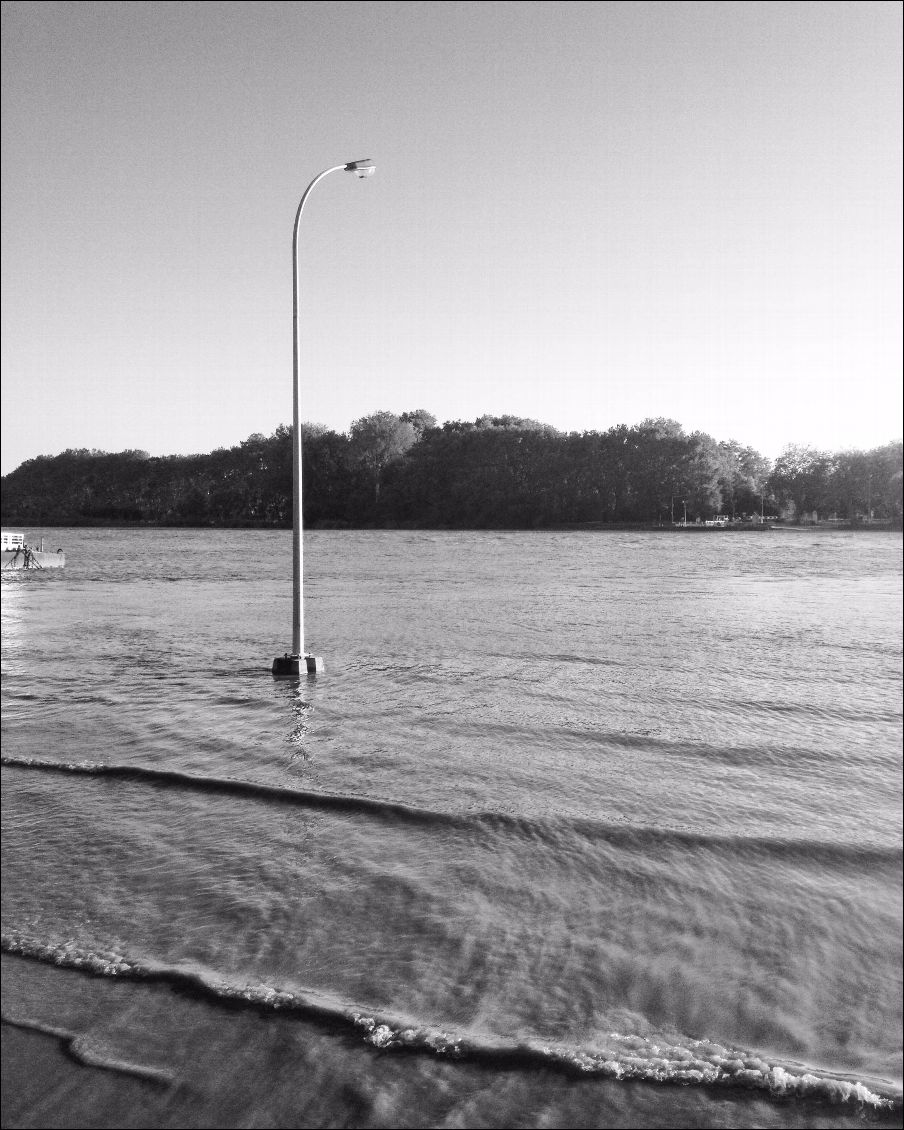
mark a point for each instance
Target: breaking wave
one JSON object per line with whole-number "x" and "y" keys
{"x": 667, "y": 1059}
{"x": 533, "y": 828}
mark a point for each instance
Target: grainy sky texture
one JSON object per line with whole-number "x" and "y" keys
{"x": 585, "y": 213}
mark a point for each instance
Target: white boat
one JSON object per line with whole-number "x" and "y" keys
{"x": 16, "y": 553}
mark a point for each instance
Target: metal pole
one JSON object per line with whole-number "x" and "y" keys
{"x": 293, "y": 664}
{"x": 297, "y": 537}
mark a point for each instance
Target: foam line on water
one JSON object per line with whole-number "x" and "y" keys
{"x": 668, "y": 1059}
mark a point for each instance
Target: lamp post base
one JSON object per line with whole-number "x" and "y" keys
{"x": 292, "y": 666}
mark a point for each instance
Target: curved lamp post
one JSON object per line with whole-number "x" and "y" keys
{"x": 299, "y": 660}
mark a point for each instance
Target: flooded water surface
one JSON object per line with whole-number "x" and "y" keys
{"x": 577, "y": 829}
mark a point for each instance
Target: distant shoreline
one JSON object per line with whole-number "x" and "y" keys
{"x": 575, "y": 527}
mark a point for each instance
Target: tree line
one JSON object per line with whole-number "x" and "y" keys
{"x": 494, "y": 472}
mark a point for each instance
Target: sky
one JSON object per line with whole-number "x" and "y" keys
{"x": 583, "y": 213}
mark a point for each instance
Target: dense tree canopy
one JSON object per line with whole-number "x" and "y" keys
{"x": 848, "y": 484}
{"x": 497, "y": 471}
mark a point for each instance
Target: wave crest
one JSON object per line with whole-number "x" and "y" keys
{"x": 621, "y": 1056}
{"x": 544, "y": 829}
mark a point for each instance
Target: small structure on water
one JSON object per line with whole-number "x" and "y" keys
{"x": 16, "y": 553}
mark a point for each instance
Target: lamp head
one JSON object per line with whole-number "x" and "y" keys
{"x": 363, "y": 168}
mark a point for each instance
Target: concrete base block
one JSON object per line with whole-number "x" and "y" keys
{"x": 293, "y": 666}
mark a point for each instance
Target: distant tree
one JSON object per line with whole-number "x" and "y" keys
{"x": 333, "y": 486}
{"x": 867, "y": 484}
{"x": 514, "y": 424}
{"x": 743, "y": 480}
{"x": 707, "y": 470}
{"x": 420, "y": 419}
{"x": 888, "y": 468}
{"x": 801, "y": 476}
{"x": 655, "y": 462}
{"x": 660, "y": 427}
{"x": 849, "y": 491}
{"x": 377, "y": 441}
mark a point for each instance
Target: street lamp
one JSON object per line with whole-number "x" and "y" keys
{"x": 298, "y": 660}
